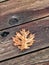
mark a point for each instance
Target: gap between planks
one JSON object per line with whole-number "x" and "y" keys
{"x": 30, "y": 59}
{"x": 40, "y": 28}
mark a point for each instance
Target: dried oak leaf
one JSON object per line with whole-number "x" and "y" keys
{"x": 24, "y": 39}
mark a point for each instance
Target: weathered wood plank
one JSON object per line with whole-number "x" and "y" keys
{"x": 41, "y": 30}
{"x": 22, "y": 17}
{"x": 26, "y": 11}
{"x": 37, "y": 58}
{"x": 43, "y": 63}
{"x": 18, "y": 5}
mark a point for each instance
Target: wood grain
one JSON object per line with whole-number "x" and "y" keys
{"x": 36, "y": 12}
{"x": 17, "y": 5}
{"x": 24, "y": 11}
{"x": 43, "y": 63}
{"x": 41, "y": 30}
{"x": 23, "y": 17}
{"x": 37, "y": 58}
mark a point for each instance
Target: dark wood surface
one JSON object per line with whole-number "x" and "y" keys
{"x": 22, "y": 17}
{"x": 23, "y": 10}
{"x": 33, "y": 16}
{"x": 41, "y": 30}
{"x": 37, "y": 58}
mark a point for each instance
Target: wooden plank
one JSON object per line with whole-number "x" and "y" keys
{"x": 15, "y": 4}
{"x": 18, "y": 5}
{"x": 37, "y": 58}
{"x": 28, "y": 11}
{"x": 41, "y": 30}
{"x": 43, "y": 63}
{"x": 22, "y": 17}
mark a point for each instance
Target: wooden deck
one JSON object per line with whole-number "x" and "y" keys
{"x": 32, "y": 15}
{"x": 37, "y": 58}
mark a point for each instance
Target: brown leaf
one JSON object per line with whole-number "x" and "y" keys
{"x": 24, "y": 39}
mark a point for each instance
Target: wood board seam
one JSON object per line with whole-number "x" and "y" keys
{"x": 26, "y": 22}
{"x": 24, "y": 54}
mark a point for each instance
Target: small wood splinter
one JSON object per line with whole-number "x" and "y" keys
{"x": 23, "y": 39}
